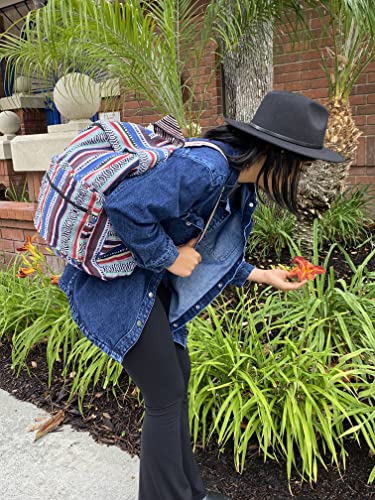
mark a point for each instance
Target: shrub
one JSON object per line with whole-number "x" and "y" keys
{"x": 272, "y": 230}
{"x": 346, "y": 221}
{"x": 293, "y": 371}
{"x": 36, "y": 312}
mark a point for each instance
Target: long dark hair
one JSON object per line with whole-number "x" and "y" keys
{"x": 280, "y": 171}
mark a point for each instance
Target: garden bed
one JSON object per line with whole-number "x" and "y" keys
{"x": 259, "y": 480}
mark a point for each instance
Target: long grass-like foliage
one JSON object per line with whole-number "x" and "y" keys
{"x": 291, "y": 372}
{"x": 272, "y": 230}
{"x": 345, "y": 222}
{"x": 36, "y": 313}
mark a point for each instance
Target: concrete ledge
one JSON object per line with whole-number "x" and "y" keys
{"x": 5, "y": 151}
{"x": 33, "y": 153}
{"x": 19, "y": 101}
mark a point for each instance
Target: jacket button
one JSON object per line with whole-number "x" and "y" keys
{"x": 219, "y": 285}
{"x": 197, "y": 306}
{"x": 150, "y": 295}
{"x": 251, "y": 205}
{"x": 139, "y": 323}
{"x": 175, "y": 325}
{"x": 188, "y": 223}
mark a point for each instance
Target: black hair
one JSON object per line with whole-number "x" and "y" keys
{"x": 280, "y": 171}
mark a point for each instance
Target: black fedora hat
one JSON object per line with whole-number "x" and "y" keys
{"x": 293, "y": 122}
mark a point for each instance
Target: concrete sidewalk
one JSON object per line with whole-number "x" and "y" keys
{"x": 63, "y": 465}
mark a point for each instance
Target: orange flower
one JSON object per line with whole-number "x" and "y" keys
{"x": 28, "y": 245}
{"x": 305, "y": 270}
{"x": 55, "y": 279}
{"x": 25, "y": 271}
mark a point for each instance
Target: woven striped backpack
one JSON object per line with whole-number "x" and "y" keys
{"x": 70, "y": 215}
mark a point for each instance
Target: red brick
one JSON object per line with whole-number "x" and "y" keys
{"x": 286, "y": 58}
{"x": 312, "y": 74}
{"x": 7, "y": 245}
{"x": 360, "y": 156}
{"x": 367, "y": 180}
{"x": 368, "y": 109}
{"x": 366, "y": 88}
{"x": 354, "y": 170}
{"x": 360, "y": 120}
{"x": 371, "y": 120}
{"x": 368, "y": 130}
{"x": 320, "y": 83}
{"x": 370, "y": 151}
{"x": 362, "y": 80}
{"x": 316, "y": 93}
{"x": 358, "y": 99}
{"x": 289, "y": 77}
{"x": 310, "y": 55}
{"x": 19, "y": 224}
{"x": 292, "y": 86}
{"x": 12, "y": 234}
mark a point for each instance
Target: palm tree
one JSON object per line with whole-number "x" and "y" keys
{"x": 349, "y": 27}
{"x": 153, "y": 48}
{"x": 248, "y": 64}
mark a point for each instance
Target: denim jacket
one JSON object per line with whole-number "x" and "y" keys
{"x": 153, "y": 214}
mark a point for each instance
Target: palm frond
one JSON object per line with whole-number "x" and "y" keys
{"x": 350, "y": 28}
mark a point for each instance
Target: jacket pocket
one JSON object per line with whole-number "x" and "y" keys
{"x": 223, "y": 237}
{"x": 192, "y": 219}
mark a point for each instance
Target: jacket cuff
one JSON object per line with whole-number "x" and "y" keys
{"x": 242, "y": 273}
{"x": 167, "y": 259}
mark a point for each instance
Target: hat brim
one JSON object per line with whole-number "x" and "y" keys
{"x": 316, "y": 154}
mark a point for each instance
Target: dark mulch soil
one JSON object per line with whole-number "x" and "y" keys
{"x": 115, "y": 419}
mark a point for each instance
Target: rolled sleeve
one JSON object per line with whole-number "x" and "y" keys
{"x": 242, "y": 273}
{"x": 139, "y": 204}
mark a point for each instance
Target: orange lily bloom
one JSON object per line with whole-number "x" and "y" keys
{"x": 25, "y": 271}
{"x": 305, "y": 269}
{"x": 28, "y": 245}
{"x": 55, "y": 279}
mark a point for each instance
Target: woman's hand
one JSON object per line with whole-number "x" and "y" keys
{"x": 187, "y": 260}
{"x": 277, "y": 278}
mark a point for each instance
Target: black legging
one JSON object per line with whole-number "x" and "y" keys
{"x": 161, "y": 369}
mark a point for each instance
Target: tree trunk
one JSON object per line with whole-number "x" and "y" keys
{"x": 322, "y": 182}
{"x": 248, "y": 72}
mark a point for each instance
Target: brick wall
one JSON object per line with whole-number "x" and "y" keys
{"x": 295, "y": 69}
{"x": 299, "y": 69}
{"x": 33, "y": 121}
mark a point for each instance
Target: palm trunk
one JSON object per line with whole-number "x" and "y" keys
{"x": 248, "y": 72}
{"x": 321, "y": 182}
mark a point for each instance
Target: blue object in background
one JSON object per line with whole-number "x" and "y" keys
{"x": 52, "y": 115}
